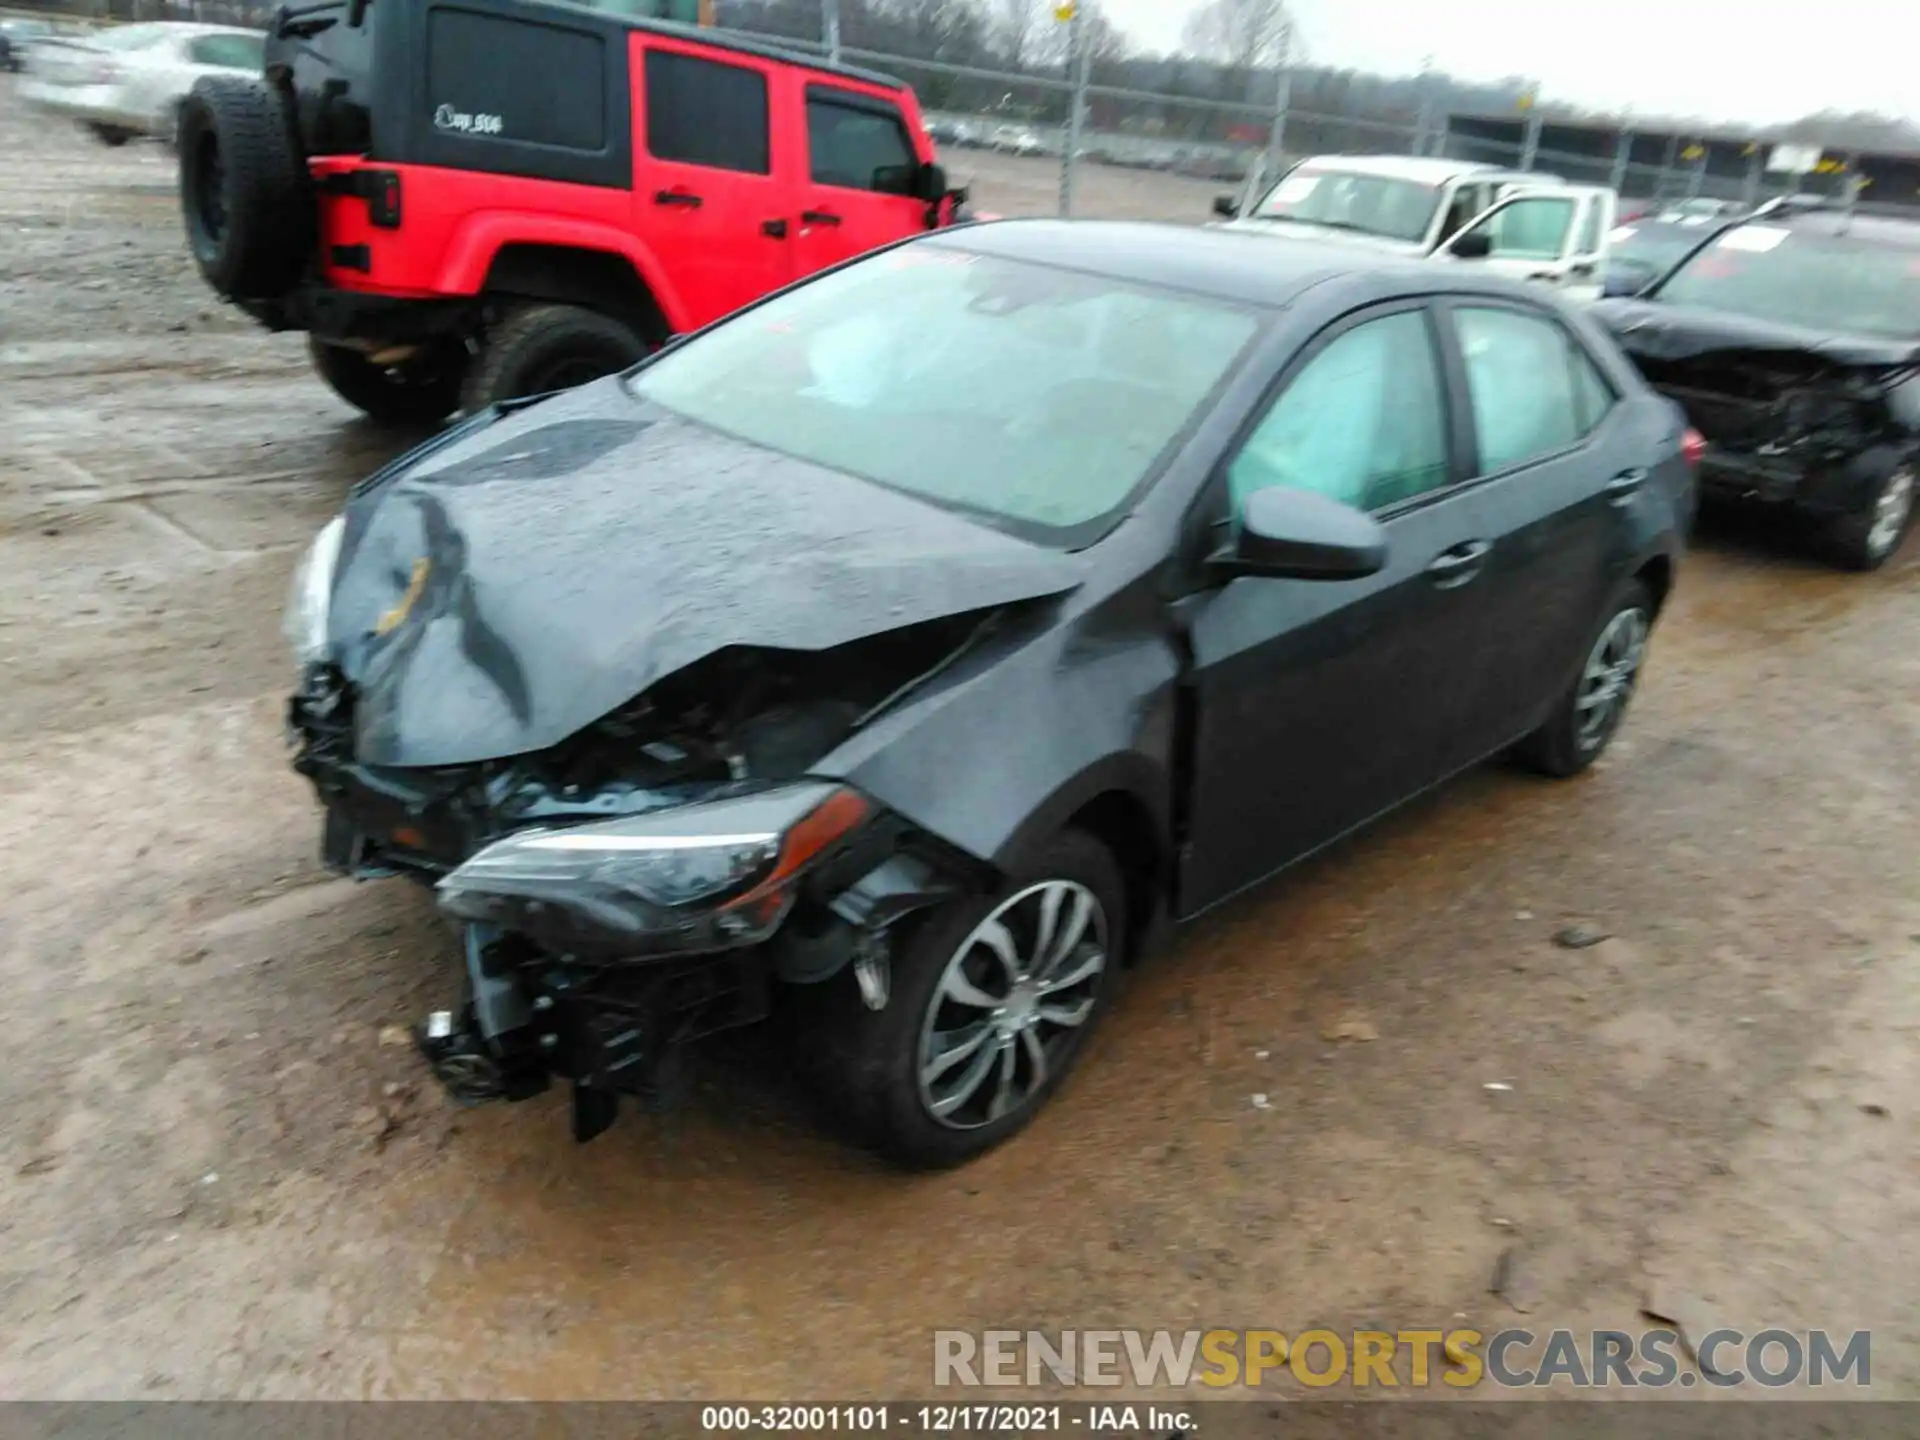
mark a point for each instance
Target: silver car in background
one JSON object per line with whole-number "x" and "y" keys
{"x": 130, "y": 80}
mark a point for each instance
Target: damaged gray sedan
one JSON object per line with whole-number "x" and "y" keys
{"x": 911, "y": 650}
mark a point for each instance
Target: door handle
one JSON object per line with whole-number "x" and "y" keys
{"x": 819, "y": 217}
{"x": 774, "y": 229}
{"x": 1625, "y": 485}
{"x": 1458, "y": 565}
{"x": 685, "y": 198}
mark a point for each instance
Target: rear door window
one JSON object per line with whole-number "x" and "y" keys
{"x": 704, "y": 112}
{"x": 1535, "y": 390}
{"x": 858, "y": 144}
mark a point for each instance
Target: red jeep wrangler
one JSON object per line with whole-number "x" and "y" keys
{"x": 468, "y": 203}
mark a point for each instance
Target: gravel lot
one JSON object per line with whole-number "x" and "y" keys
{"x": 222, "y": 1181}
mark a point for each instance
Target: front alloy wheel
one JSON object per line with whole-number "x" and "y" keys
{"x": 1004, "y": 1014}
{"x": 990, "y": 1003}
{"x": 1868, "y": 538}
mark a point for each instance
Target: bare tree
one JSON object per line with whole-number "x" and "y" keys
{"x": 1021, "y": 28}
{"x": 1241, "y": 34}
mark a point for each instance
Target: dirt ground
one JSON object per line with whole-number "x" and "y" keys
{"x": 222, "y": 1178}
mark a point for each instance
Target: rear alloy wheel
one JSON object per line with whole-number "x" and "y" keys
{"x": 992, "y": 1000}
{"x": 1583, "y": 724}
{"x": 537, "y": 349}
{"x": 422, "y": 390}
{"x": 1868, "y": 538}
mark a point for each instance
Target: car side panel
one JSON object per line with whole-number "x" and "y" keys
{"x": 998, "y": 757}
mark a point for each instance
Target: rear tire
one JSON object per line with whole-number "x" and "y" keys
{"x": 535, "y": 349}
{"x": 423, "y": 391}
{"x": 245, "y": 193}
{"x": 111, "y": 135}
{"x": 868, "y": 1066}
{"x": 1871, "y": 535}
{"x": 1575, "y": 735}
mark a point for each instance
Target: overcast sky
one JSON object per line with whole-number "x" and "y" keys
{"x": 1716, "y": 58}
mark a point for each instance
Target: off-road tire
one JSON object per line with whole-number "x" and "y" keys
{"x": 423, "y": 391}
{"x": 112, "y": 135}
{"x": 532, "y": 349}
{"x": 245, "y": 193}
{"x": 1852, "y": 541}
{"x": 862, "y": 1064}
{"x": 1556, "y": 749}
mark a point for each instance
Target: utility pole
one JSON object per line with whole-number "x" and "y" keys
{"x": 831, "y": 19}
{"x": 706, "y": 13}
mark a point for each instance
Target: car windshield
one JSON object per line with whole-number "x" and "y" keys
{"x": 129, "y": 37}
{"x": 1795, "y": 277}
{"x": 1653, "y": 248}
{"x": 1348, "y": 200}
{"x": 1036, "y": 398}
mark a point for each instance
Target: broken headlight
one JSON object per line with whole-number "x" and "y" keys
{"x": 310, "y": 594}
{"x": 696, "y": 877}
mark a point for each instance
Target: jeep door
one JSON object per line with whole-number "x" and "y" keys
{"x": 712, "y": 189}
{"x": 862, "y": 171}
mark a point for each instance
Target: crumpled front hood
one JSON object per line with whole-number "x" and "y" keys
{"x": 1322, "y": 234}
{"x": 1682, "y": 332}
{"x": 515, "y": 584}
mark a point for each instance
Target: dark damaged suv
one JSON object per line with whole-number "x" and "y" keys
{"x": 1793, "y": 342}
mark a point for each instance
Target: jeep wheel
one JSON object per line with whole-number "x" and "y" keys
{"x": 1868, "y": 538}
{"x": 535, "y": 349}
{"x": 991, "y": 1002}
{"x": 109, "y": 134}
{"x": 421, "y": 391}
{"x": 244, "y": 189}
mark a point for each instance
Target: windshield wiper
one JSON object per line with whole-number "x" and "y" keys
{"x": 1327, "y": 224}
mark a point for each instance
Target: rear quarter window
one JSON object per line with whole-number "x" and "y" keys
{"x": 491, "y": 76}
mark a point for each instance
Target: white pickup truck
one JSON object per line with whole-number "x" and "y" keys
{"x": 1521, "y": 223}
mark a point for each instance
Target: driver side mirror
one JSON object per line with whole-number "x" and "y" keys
{"x": 1227, "y": 206}
{"x": 1290, "y": 534}
{"x": 1471, "y": 245}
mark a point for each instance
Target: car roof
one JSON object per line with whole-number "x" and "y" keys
{"x": 1224, "y": 264}
{"x": 1430, "y": 170}
{"x": 1878, "y": 229}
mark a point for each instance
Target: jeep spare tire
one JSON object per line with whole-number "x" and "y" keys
{"x": 244, "y": 189}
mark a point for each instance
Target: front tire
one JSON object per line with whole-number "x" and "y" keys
{"x": 536, "y": 349}
{"x": 422, "y": 391}
{"x": 1870, "y": 536}
{"x": 992, "y": 1001}
{"x": 1589, "y": 714}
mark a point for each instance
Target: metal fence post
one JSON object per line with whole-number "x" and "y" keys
{"x": 1530, "y": 143}
{"x": 1079, "y": 58}
{"x": 830, "y": 25}
{"x": 1756, "y": 174}
{"x": 1275, "y": 160}
{"x": 1424, "y": 122}
{"x": 1622, "y": 158}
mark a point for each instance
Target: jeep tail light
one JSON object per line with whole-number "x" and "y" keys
{"x": 1693, "y": 447}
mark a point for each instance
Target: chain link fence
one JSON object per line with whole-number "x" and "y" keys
{"x": 1098, "y": 133}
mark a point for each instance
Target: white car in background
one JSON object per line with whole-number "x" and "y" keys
{"x": 130, "y": 80}
{"x": 1017, "y": 140}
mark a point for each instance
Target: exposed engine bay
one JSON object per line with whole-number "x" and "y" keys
{"x": 567, "y": 977}
{"x": 1786, "y": 411}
